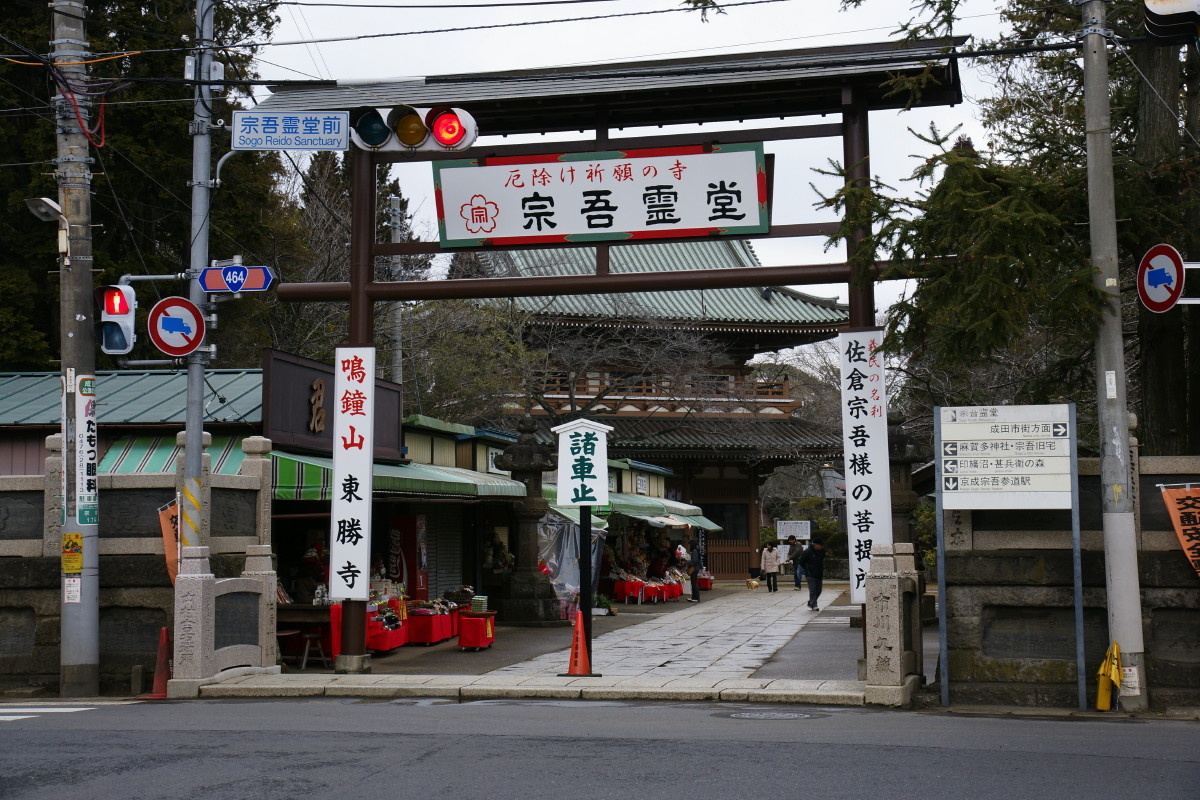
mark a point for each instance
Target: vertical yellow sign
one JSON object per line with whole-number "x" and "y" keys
{"x": 72, "y": 553}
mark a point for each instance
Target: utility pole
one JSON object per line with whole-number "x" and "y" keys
{"x": 1120, "y": 538}
{"x": 79, "y": 659}
{"x": 191, "y": 529}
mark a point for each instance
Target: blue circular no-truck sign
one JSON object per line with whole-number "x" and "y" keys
{"x": 176, "y": 326}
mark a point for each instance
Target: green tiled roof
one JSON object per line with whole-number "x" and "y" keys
{"x": 744, "y": 308}
{"x": 135, "y": 397}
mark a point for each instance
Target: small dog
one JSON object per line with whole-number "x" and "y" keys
{"x": 751, "y": 584}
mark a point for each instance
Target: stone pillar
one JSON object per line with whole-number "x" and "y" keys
{"x": 260, "y": 567}
{"x": 893, "y": 627}
{"x": 258, "y": 464}
{"x": 52, "y": 499}
{"x": 195, "y": 616}
{"x": 530, "y": 598}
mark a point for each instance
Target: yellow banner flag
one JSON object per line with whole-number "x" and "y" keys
{"x": 1183, "y": 505}
{"x": 1108, "y": 676}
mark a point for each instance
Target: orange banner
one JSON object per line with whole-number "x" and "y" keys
{"x": 168, "y": 520}
{"x": 1183, "y": 504}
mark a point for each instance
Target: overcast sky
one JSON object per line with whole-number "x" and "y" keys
{"x": 786, "y": 25}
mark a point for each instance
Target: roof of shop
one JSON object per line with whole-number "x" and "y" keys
{"x": 739, "y": 309}
{"x": 135, "y": 397}
{"x": 765, "y": 85}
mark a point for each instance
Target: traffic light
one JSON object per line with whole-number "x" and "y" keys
{"x": 407, "y": 128}
{"x": 118, "y": 307}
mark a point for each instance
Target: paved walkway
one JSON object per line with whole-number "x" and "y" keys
{"x": 706, "y": 651}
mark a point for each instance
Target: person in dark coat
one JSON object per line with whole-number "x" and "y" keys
{"x": 795, "y": 550}
{"x": 695, "y": 564}
{"x": 813, "y": 563}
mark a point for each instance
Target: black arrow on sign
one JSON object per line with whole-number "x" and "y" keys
{"x": 950, "y": 484}
{"x": 1060, "y": 429}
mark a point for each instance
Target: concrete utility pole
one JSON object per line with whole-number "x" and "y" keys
{"x": 1120, "y": 538}
{"x": 79, "y": 661}
{"x": 192, "y": 531}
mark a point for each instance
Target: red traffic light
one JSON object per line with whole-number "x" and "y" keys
{"x": 115, "y": 301}
{"x": 445, "y": 126}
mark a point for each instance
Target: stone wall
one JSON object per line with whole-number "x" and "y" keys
{"x": 1010, "y": 599}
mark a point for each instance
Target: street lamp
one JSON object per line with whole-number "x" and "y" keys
{"x": 47, "y": 210}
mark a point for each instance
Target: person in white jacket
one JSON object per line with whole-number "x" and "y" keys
{"x": 769, "y": 564}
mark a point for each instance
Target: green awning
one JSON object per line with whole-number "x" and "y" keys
{"x": 486, "y": 485}
{"x": 699, "y": 521}
{"x": 135, "y": 455}
{"x": 676, "y": 508}
{"x": 299, "y": 477}
{"x": 636, "y": 504}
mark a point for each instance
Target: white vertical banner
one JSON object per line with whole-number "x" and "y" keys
{"x": 582, "y": 463}
{"x": 87, "y": 497}
{"x": 353, "y": 462}
{"x": 865, "y": 453}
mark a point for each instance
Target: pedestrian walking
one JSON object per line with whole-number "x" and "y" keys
{"x": 695, "y": 564}
{"x": 812, "y": 561}
{"x": 795, "y": 550}
{"x": 769, "y": 564}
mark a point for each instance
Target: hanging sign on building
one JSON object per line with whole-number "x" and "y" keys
{"x": 580, "y": 197}
{"x": 998, "y": 457}
{"x": 865, "y": 453}
{"x": 353, "y": 447}
{"x": 582, "y": 463}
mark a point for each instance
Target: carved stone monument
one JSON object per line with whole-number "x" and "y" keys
{"x": 893, "y": 664}
{"x": 529, "y": 598}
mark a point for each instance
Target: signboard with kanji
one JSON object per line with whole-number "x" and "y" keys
{"x": 291, "y": 130}
{"x": 634, "y": 194}
{"x": 865, "y": 453}
{"x": 87, "y": 446}
{"x": 353, "y": 445}
{"x": 998, "y": 457}
{"x": 582, "y": 463}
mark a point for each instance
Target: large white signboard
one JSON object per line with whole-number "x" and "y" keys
{"x": 865, "y": 453}
{"x": 353, "y": 462}
{"x": 636, "y": 194}
{"x": 1005, "y": 456}
{"x": 582, "y": 463}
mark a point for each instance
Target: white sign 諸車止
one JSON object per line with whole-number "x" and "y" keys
{"x": 865, "y": 453}
{"x": 353, "y": 473}
{"x": 996, "y": 457}
{"x": 636, "y": 194}
{"x": 291, "y": 130}
{"x": 582, "y": 463}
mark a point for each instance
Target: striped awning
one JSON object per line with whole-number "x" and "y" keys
{"x": 298, "y": 477}
{"x": 135, "y": 455}
{"x": 486, "y": 485}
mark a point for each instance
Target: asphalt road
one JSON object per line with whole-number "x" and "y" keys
{"x": 531, "y": 749}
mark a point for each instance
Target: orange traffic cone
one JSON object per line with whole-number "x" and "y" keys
{"x": 161, "y": 669}
{"x": 580, "y": 663}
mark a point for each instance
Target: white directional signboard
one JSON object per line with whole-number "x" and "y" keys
{"x": 1005, "y": 456}
{"x": 291, "y": 130}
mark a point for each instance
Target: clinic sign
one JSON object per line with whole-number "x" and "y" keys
{"x": 353, "y": 411}
{"x": 582, "y": 463}
{"x": 864, "y": 453}
{"x": 291, "y": 130}
{"x": 580, "y": 197}
{"x": 1005, "y": 457}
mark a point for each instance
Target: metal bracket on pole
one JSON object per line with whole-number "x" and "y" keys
{"x": 179, "y": 276}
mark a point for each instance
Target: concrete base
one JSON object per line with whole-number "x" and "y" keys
{"x": 190, "y": 687}
{"x": 893, "y": 696}
{"x": 352, "y": 665}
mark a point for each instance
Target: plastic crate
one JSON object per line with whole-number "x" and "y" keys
{"x": 479, "y": 602}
